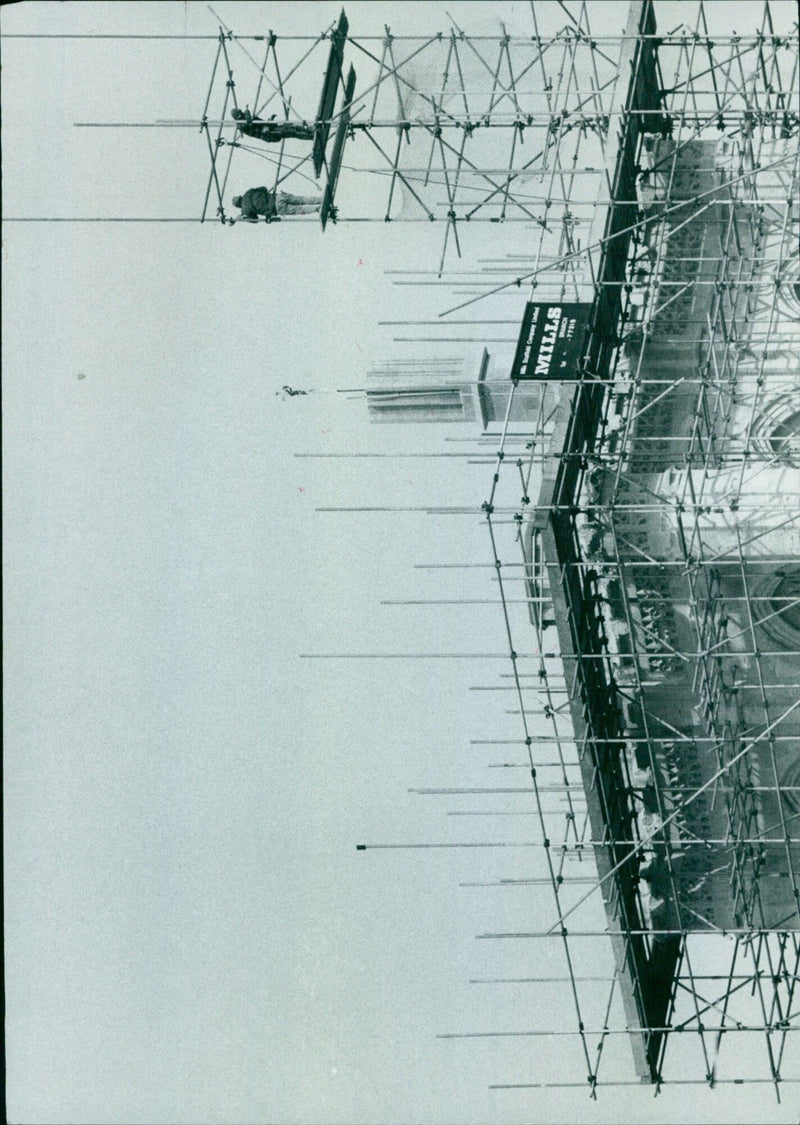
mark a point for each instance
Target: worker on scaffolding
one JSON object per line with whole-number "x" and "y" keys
{"x": 272, "y": 131}
{"x": 261, "y": 203}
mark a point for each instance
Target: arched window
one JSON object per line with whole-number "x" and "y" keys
{"x": 779, "y": 611}
{"x": 788, "y": 303}
{"x": 777, "y": 428}
{"x": 790, "y": 787}
{"x": 781, "y": 437}
{"x": 785, "y": 600}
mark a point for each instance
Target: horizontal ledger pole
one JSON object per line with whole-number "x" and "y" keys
{"x": 476, "y": 122}
{"x": 74, "y": 219}
{"x": 695, "y": 841}
{"x": 661, "y": 1081}
{"x": 98, "y": 35}
{"x": 650, "y": 1029}
{"x": 677, "y": 40}
{"x": 294, "y": 219}
{"x": 688, "y": 932}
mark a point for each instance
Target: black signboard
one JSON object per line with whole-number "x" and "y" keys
{"x": 550, "y": 341}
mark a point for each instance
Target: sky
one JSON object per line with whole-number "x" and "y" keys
{"x": 191, "y": 935}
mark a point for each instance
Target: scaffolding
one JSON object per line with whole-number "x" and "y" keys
{"x": 643, "y": 520}
{"x": 452, "y": 127}
{"x": 642, "y": 513}
{"x": 663, "y": 548}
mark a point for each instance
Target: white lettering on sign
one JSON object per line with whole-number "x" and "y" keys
{"x": 526, "y": 355}
{"x": 549, "y": 337}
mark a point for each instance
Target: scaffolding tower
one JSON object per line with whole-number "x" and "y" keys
{"x": 451, "y": 128}
{"x": 663, "y": 548}
{"x": 642, "y": 510}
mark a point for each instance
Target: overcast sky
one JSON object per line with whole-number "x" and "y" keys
{"x": 191, "y": 935}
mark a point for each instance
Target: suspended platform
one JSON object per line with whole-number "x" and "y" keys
{"x": 327, "y": 99}
{"x": 271, "y": 92}
{"x": 338, "y": 148}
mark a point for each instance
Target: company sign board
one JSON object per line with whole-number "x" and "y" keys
{"x": 550, "y": 341}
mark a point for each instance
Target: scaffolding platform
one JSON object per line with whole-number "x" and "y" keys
{"x": 338, "y": 148}
{"x": 327, "y": 99}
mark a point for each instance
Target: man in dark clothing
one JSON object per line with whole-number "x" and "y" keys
{"x": 260, "y": 202}
{"x": 272, "y": 131}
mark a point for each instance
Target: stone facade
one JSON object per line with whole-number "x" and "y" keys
{"x": 690, "y": 516}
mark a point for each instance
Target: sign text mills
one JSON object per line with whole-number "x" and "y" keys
{"x": 550, "y": 341}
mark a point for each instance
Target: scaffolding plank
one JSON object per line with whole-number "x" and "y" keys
{"x": 328, "y": 96}
{"x": 338, "y": 148}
